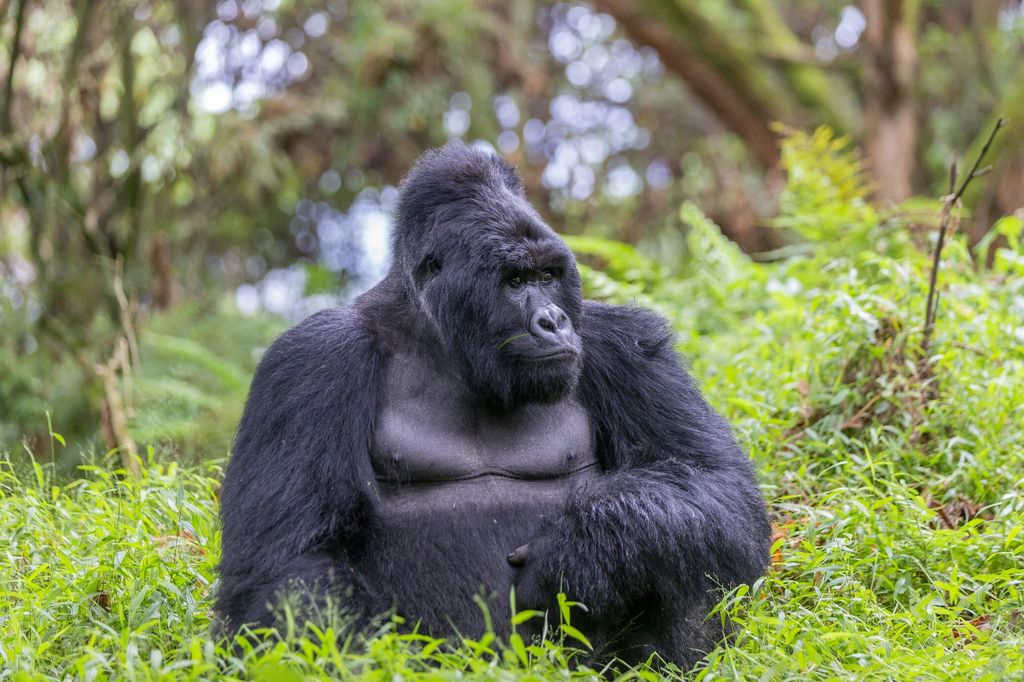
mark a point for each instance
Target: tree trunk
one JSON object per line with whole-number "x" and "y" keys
{"x": 890, "y": 122}
{"x": 733, "y": 107}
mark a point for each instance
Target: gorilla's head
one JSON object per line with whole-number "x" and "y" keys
{"x": 496, "y": 284}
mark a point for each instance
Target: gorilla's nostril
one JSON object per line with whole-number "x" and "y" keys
{"x": 549, "y": 323}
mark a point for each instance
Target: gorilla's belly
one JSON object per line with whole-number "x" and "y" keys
{"x": 453, "y": 539}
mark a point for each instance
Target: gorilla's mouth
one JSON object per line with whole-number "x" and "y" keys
{"x": 559, "y": 354}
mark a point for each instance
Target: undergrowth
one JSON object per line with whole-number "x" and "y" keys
{"x": 894, "y": 477}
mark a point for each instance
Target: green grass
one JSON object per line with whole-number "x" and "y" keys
{"x": 111, "y": 578}
{"x": 895, "y": 483}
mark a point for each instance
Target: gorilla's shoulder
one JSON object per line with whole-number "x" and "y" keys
{"x": 322, "y": 333}
{"x": 327, "y": 347}
{"x": 624, "y": 331}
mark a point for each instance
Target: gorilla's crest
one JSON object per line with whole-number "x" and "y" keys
{"x": 441, "y": 177}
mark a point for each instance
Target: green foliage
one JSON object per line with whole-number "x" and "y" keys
{"x": 614, "y": 271}
{"x": 894, "y": 481}
{"x": 898, "y": 550}
{"x": 30, "y": 383}
{"x": 1005, "y": 261}
{"x": 701, "y": 299}
{"x": 185, "y": 398}
{"x": 322, "y": 280}
{"x": 196, "y": 366}
{"x": 825, "y": 200}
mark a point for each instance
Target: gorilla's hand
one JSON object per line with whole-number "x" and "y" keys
{"x": 625, "y": 539}
{"x": 536, "y": 584}
{"x": 646, "y": 536}
{"x": 552, "y": 562}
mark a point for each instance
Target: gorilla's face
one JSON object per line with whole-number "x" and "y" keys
{"x": 503, "y": 293}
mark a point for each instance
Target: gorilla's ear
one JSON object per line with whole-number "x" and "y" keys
{"x": 508, "y": 174}
{"x": 426, "y": 269}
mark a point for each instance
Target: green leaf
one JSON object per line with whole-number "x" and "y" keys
{"x": 572, "y": 633}
{"x": 515, "y": 640}
{"x": 521, "y": 617}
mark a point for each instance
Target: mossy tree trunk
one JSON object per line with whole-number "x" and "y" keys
{"x": 890, "y": 107}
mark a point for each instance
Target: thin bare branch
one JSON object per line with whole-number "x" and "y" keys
{"x": 951, "y": 200}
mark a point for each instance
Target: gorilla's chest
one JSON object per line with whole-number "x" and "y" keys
{"x": 435, "y": 449}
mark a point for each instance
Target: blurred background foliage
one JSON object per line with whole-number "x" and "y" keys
{"x": 179, "y": 179}
{"x": 182, "y": 179}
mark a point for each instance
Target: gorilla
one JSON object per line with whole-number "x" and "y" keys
{"x": 472, "y": 425}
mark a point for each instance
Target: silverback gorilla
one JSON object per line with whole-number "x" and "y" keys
{"x": 470, "y": 425}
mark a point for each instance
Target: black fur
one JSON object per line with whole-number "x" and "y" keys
{"x": 672, "y": 515}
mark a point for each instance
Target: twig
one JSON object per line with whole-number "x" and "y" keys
{"x": 950, "y": 201}
{"x": 931, "y": 306}
{"x": 115, "y": 416}
{"x": 127, "y": 326}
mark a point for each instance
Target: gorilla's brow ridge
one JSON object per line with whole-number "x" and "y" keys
{"x": 548, "y": 252}
{"x": 532, "y": 253}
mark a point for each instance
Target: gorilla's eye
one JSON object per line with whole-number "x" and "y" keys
{"x": 547, "y": 276}
{"x": 516, "y": 282}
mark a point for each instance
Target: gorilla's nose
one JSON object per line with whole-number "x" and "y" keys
{"x": 550, "y": 324}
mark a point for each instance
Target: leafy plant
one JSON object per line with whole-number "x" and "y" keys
{"x": 826, "y": 195}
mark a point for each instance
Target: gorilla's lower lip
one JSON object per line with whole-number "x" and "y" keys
{"x": 554, "y": 355}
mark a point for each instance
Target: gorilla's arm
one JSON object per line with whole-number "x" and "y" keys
{"x": 296, "y": 489}
{"x": 678, "y": 501}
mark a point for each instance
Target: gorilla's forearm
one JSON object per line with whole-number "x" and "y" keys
{"x": 312, "y": 584}
{"x": 296, "y": 481}
{"x": 274, "y": 550}
{"x": 664, "y": 530}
